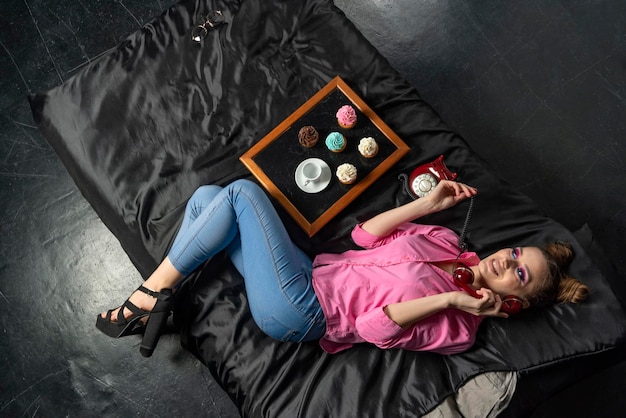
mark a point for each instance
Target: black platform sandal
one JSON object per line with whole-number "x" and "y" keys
{"x": 151, "y": 328}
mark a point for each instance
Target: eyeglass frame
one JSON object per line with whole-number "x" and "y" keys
{"x": 213, "y": 19}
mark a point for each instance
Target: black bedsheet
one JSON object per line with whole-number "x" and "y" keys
{"x": 141, "y": 127}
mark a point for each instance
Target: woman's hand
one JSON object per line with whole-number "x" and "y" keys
{"x": 488, "y": 305}
{"x": 448, "y": 193}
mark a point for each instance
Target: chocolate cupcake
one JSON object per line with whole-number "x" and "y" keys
{"x": 308, "y": 136}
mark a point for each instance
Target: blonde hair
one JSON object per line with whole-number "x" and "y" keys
{"x": 559, "y": 286}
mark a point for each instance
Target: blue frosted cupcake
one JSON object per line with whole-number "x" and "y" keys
{"x": 336, "y": 142}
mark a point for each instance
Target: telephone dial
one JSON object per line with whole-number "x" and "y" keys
{"x": 420, "y": 183}
{"x": 424, "y": 178}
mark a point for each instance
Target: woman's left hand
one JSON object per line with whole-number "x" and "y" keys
{"x": 489, "y": 304}
{"x": 492, "y": 305}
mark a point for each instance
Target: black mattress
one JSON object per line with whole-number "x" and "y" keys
{"x": 141, "y": 127}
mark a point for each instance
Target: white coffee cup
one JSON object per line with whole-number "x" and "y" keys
{"x": 311, "y": 171}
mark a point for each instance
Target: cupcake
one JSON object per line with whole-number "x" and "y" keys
{"x": 336, "y": 142}
{"x": 346, "y": 117}
{"x": 346, "y": 173}
{"x": 308, "y": 136}
{"x": 368, "y": 147}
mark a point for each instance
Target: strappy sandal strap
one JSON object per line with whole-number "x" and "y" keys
{"x": 162, "y": 295}
{"x": 131, "y": 307}
{"x": 109, "y": 314}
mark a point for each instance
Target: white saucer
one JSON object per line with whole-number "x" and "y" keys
{"x": 315, "y": 186}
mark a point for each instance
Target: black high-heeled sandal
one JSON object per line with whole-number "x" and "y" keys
{"x": 151, "y": 328}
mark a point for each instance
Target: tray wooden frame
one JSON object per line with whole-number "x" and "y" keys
{"x": 352, "y": 193}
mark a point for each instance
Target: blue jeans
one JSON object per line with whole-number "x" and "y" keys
{"x": 240, "y": 219}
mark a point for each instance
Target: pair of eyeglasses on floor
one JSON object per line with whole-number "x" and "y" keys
{"x": 213, "y": 19}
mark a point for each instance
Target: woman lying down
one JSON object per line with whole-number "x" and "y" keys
{"x": 411, "y": 286}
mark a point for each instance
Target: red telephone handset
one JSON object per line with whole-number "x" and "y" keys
{"x": 464, "y": 276}
{"x": 425, "y": 177}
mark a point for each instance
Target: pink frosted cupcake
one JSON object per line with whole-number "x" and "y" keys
{"x": 346, "y": 117}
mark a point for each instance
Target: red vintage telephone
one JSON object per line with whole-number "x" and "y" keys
{"x": 464, "y": 276}
{"x": 425, "y": 177}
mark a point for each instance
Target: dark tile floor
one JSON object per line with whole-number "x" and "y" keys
{"x": 537, "y": 87}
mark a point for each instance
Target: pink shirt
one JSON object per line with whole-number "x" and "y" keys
{"x": 355, "y": 286}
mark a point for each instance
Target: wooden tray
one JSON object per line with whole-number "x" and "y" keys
{"x": 273, "y": 160}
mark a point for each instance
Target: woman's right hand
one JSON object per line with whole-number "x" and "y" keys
{"x": 448, "y": 193}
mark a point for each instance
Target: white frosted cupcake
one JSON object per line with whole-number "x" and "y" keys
{"x": 346, "y": 173}
{"x": 368, "y": 147}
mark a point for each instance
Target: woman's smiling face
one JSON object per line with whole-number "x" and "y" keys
{"x": 512, "y": 271}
